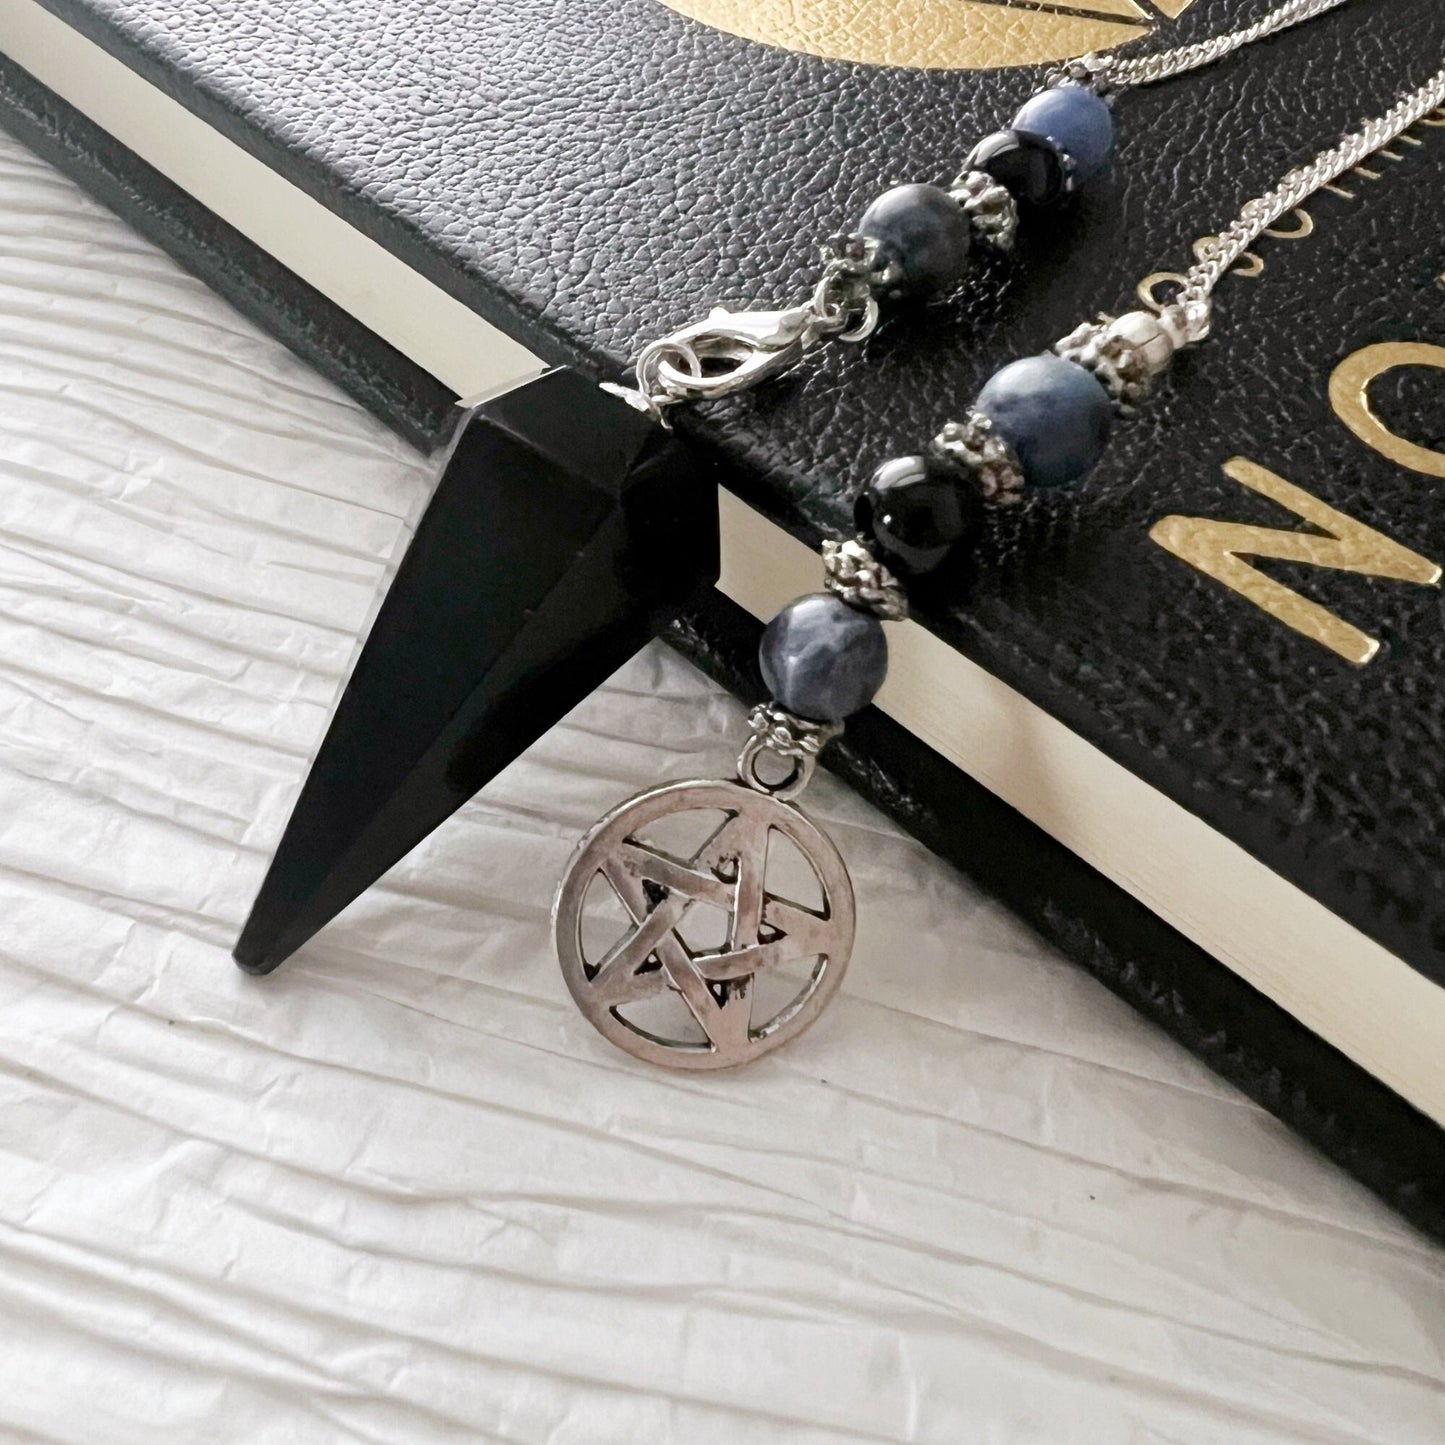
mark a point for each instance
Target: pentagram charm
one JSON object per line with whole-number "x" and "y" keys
{"x": 684, "y": 947}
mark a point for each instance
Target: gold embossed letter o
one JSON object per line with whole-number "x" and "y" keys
{"x": 1350, "y": 397}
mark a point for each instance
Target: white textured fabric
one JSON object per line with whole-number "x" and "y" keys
{"x": 399, "y": 1191}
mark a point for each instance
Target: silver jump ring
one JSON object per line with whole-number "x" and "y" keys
{"x": 837, "y": 298}
{"x": 788, "y": 787}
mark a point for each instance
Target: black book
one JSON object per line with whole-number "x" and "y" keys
{"x": 1186, "y": 718}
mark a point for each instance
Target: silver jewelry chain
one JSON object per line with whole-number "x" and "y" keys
{"x": 1217, "y": 254}
{"x": 1120, "y": 72}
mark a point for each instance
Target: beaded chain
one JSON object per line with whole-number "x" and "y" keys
{"x": 916, "y": 240}
{"x": 1040, "y": 422}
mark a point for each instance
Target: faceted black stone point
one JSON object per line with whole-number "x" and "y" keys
{"x": 566, "y": 530}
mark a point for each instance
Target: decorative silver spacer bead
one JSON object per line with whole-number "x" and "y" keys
{"x": 1124, "y": 354}
{"x": 854, "y": 574}
{"x": 844, "y": 299}
{"x": 974, "y": 444}
{"x": 788, "y": 735}
{"x": 1155, "y": 335}
{"x": 850, "y": 256}
{"x": 799, "y": 740}
{"x": 853, "y": 269}
{"x": 992, "y": 211}
{"x": 1093, "y": 70}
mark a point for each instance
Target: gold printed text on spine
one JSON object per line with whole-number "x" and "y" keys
{"x": 1219, "y": 549}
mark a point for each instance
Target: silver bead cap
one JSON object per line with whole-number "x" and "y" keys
{"x": 974, "y": 445}
{"x": 774, "y": 730}
{"x": 992, "y": 211}
{"x": 854, "y": 575}
{"x": 1125, "y": 353}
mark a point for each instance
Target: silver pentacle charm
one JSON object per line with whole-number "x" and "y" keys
{"x": 701, "y": 924}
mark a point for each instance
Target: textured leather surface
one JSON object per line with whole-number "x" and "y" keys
{"x": 588, "y": 178}
{"x": 1359, "y": 1124}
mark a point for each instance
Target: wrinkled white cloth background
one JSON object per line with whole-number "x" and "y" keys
{"x": 399, "y": 1191}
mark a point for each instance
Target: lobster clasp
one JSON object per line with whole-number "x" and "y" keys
{"x": 727, "y": 352}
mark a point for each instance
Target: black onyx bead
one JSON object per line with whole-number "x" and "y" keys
{"x": 1028, "y": 167}
{"x": 916, "y": 509}
{"x": 923, "y": 234}
{"x": 822, "y": 659}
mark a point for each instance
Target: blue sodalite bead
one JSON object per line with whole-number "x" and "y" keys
{"x": 822, "y": 659}
{"x": 1076, "y": 120}
{"x": 924, "y": 233}
{"x": 1054, "y": 414}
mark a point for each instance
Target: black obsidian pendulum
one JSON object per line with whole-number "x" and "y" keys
{"x": 548, "y": 555}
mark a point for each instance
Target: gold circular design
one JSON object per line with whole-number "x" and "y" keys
{"x": 929, "y": 34}
{"x": 1350, "y": 396}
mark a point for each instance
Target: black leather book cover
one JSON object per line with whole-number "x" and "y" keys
{"x": 588, "y": 177}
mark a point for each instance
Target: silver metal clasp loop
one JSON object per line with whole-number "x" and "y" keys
{"x": 1191, "y": 315}
{"x": 1181, "y": 304}
{"x": 732, "y": 351}
{"x": 727, "y": 352}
